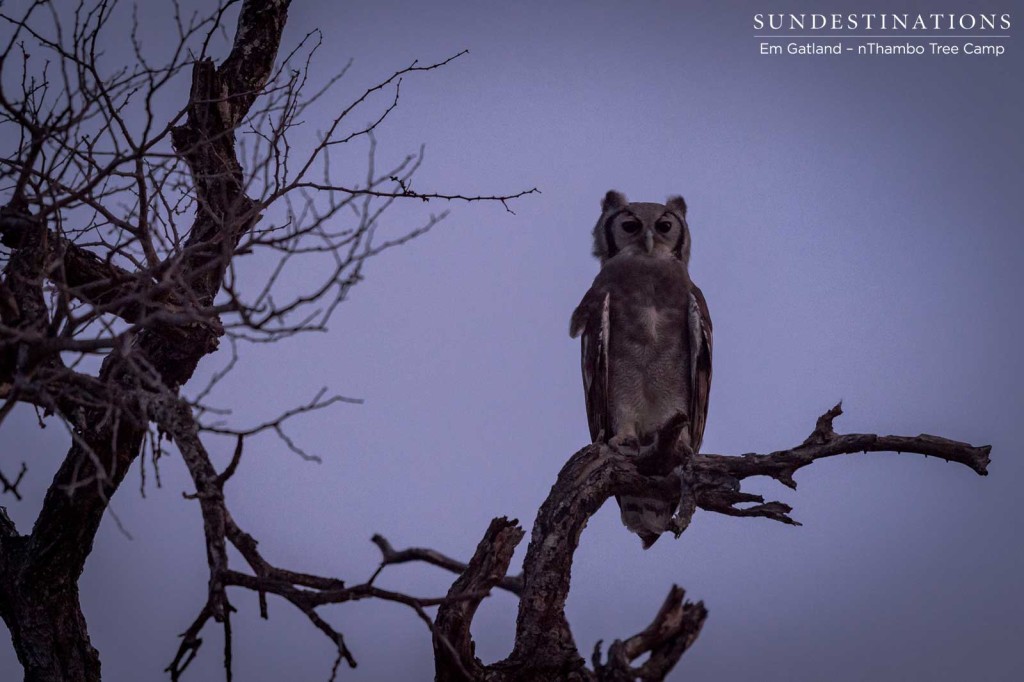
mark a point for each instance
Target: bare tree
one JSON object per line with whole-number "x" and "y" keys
{"x": 122, "y": 228}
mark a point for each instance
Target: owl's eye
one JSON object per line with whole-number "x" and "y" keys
{"x": 631, "y": 226}
{"x": 663, "y": 226}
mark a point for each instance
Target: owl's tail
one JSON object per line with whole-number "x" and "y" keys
{"x": 648, "y": 517}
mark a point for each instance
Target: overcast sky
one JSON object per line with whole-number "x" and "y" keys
{"x": 856, "y": 231}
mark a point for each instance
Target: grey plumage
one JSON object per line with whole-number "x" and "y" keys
{"x": 646, "y": 339}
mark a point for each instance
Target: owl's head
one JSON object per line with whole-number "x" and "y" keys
{"x": 642, "y": 229}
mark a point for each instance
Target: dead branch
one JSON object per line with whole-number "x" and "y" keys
{"x": 87, "y": 277}
{"x": 673, "y": 630}
{"x": 717, "y": 477}
{"x": 389, "y": 556}
{"x": 453, "y": 645}
{"x": 12, "y": 486}
{"x": 304, "y": 591}
{"x": 544, "y": 648}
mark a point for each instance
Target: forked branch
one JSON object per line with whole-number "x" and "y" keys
{"x": 667, "y": 638}
{"x": 390, "y": 555}
{"x": 717, "y": 477}
{"x": 544, "y": 648}
{"x": 304, "y": 591}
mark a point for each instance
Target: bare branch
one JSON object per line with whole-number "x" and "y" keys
{"x": 306, "y": 592}
{"x": 12, "y": 486}
{"x": 453, "y": 645}
{"x": 544, "y": 646}
{"x": 389, "y": 556}
{"x": 717, "y": 477}
{"x": 674, "y": 629}
{"x": 406, "y": 193}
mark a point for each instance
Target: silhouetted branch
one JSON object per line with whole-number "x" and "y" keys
{"x": 405, "y": 192}
{"x": 306, "y": 592}
{"x": 389, "y": 556}
{"x": 12, "y": 486}
{"x": 544, "y": 648}
{"x": 674, "y": 629}
{"x": 454, "y": 657}
{"x": 90, "y": 279}
{"x": 717, "y": 477}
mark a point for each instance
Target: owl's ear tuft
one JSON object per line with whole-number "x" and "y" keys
{"x": 677, "y": 203}
{"x": 613, "y": 200}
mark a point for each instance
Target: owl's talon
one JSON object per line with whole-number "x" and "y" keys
{"x": 649, "y": 446}
{"x": 625, "y": 445}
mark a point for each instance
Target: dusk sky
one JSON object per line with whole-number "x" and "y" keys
{"x": 857, "y": 233}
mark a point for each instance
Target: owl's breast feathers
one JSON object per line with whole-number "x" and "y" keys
{"x": 648, "y": 310}
{"x": 660, "y": 287}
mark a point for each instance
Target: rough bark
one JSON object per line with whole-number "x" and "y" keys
{"x": 453, "y": 644}
{"x": 88, "y": 277}
{"x": 51, "y": 638}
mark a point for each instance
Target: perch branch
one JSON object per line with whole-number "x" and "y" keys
{"x": 544, "y": 647}
{"x": 717, "y": 477}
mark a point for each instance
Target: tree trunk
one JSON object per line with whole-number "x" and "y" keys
{"x": 46, "y": 623}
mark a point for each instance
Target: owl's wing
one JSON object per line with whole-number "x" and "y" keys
{"x": 700, "y": 365}
{"x": 592, "y": 318}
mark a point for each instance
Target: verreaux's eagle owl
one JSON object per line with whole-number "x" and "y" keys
{"x": 646, "y": 346}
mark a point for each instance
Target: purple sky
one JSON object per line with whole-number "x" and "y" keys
{"x": 856, "y": 230}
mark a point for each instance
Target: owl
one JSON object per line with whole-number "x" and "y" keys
{"x": 646, "y": 340}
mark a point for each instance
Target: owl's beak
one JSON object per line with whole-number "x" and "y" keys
{"x": 649, "y": 241}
